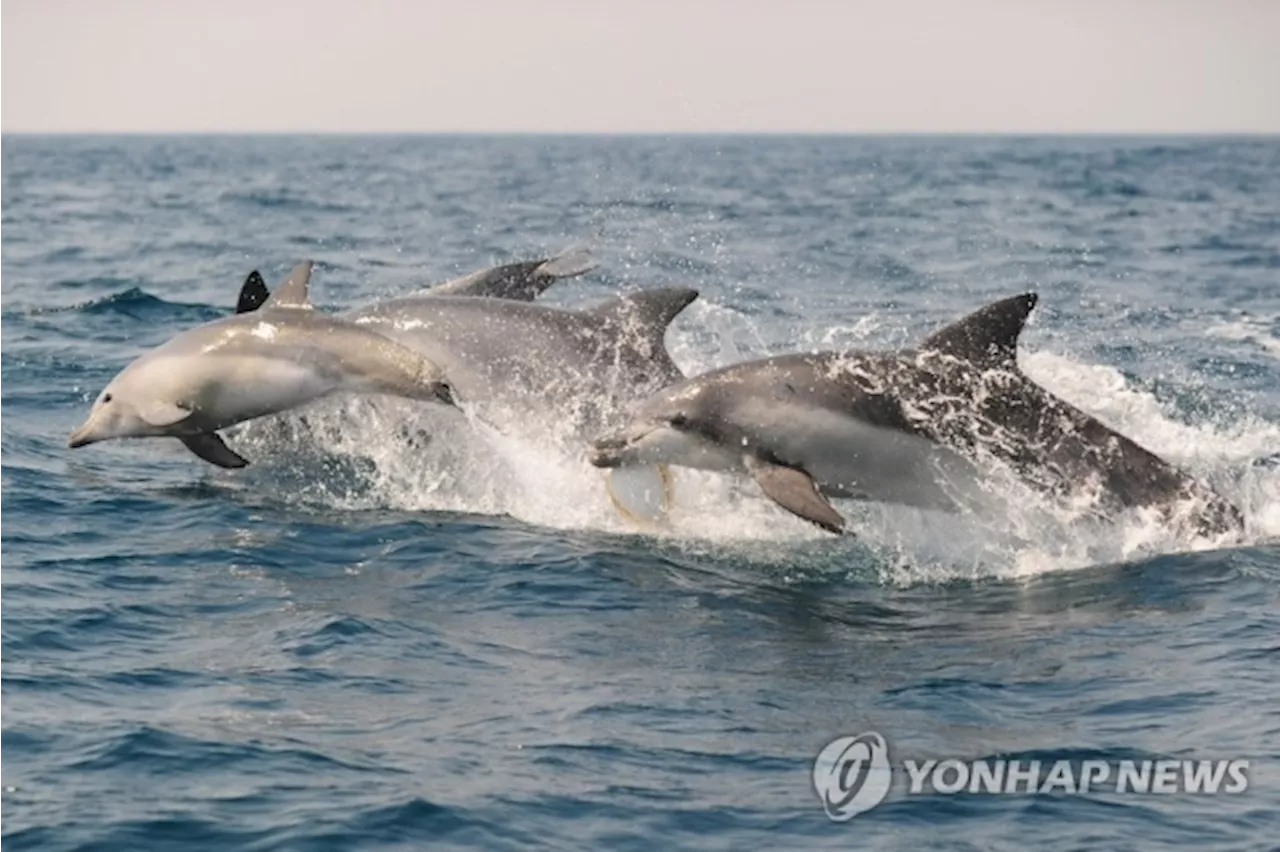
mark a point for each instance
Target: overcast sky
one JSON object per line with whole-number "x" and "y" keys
{"x": 642, "y": 65}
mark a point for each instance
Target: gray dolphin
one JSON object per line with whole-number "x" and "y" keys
{"x": 249, "y": 365}
{"x": 578, "y": 369}
{"x": 558, "y": 375}
{"x": 908, "y": 427}
{"x": 511, "y": 359}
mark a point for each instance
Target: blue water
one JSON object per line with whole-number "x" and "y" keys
{"x": 360, "y": 643}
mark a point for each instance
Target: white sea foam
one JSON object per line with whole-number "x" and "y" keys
{"x": 1261, "y": 332}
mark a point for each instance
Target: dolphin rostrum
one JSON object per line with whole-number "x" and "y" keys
{"x": 254, "y": 363}
{"x": 909, "y": 427}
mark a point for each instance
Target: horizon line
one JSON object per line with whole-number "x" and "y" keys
{"x": 661, "y": 133}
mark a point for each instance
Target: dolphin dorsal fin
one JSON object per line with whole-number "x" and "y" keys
{"x": 647, "y": 312}
{"x": 638, "y": 324}
{"x": 292, "y": 292}
{"x": 253, "y": 294}
{"x": 988, "y": 337}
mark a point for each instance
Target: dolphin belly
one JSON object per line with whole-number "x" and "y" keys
{"x": 239, "y": 388}
{"x": 848, "y": 457}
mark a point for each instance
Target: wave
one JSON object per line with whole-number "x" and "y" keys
{"x": 279, "y": 200}
{"x": 135, "y": 303}
{"x": 1260, "y": 332}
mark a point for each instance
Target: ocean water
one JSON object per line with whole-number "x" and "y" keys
{"x": 362, "y": 642}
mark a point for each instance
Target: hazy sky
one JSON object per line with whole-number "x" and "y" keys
{"x": 642, "y": 65}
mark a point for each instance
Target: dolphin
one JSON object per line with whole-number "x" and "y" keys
{"x": 913, "y": 427}
{"x": 577, "y": 370}
{"x": 546, "y": 372}
{"x": 514, "y": 360}
{"x": 253, "y": 363}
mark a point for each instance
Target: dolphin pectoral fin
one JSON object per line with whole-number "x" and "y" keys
{"x": 159, "y": 413}
{"x": 252, "y": 294}
{"x": 795, "y": 491}
{"x": 211, "y": 448}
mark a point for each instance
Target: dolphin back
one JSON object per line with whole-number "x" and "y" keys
{"x": 1081, "y": 449}
{"x": 1050, "y": 442}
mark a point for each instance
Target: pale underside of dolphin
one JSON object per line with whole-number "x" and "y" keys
{"x": 249, "y": 365}
{"x": 915, "y": 427}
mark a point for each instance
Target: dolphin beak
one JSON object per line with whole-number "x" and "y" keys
{"x": 82, "y": 436}
{"x": 610, "y": 450}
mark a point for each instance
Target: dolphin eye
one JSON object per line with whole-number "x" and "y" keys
{"x": 678, "y": 420}
{"x": 106, "y": 397}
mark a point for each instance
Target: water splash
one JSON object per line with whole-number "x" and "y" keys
{"x": 358, "y": 453}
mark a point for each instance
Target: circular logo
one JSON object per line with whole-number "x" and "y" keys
{"x": 852, "y": 775}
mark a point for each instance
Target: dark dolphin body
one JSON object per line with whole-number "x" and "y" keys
{"x": 911, "y": 427}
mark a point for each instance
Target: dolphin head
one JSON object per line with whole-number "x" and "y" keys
{"x": 113, "y": 416}
{"x": 675, "y": 426}
{"x": 131, "y": 406}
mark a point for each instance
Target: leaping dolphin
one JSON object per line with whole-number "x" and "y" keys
{"x": 910, "y": 427}
{"x": 510, "y": 359}
{"x": 555, "y": 374}
{"x": 249, "y": 365}
{"x": 578, "y": 370}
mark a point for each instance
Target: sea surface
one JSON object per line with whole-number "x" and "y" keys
{"x": 362, "y": 642}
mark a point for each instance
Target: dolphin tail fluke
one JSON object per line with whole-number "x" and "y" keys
{"x": 574, "y": 261}
{"x": 518, "y": 282}
{"x": 988, "y": 337}
{"x": 211, "y": 448}
{"x": 795, "y": 491}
